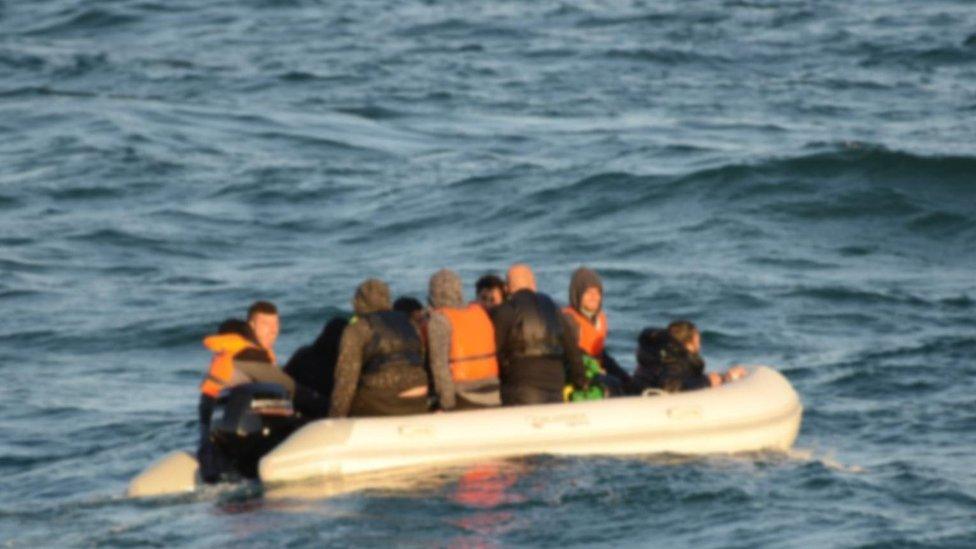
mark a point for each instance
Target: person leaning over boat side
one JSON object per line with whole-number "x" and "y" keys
{"x": 490, "y": 291}
{"x": 585, "y": 313}
{"x": 461, "y": 340}
{"x": 670, "y": 359}
{"x": 535, "y": 344}
{"x": 380, "y": 370}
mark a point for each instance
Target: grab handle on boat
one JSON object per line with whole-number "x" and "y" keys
{"x": 653, "y": 391}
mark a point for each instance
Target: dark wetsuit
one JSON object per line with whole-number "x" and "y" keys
{"x": 536, "y": 348}
{"x": 380, "y": 356}
{"x": 664, "y": 363}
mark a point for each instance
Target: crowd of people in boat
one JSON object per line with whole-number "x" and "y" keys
{"x": 512, "y": 345}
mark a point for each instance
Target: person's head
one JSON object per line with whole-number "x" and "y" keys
{"x": 490, "y": 290}
{"x": 372, "y": 296}
{"x": 409, "y": 306}
{"x": 444, "y": 290}
{"x": 686, "y": 333}
{"x": 262, "y": 316}
{"x": 586, "y": 291}
{"x": 520, "y": 277}
{"x": 237, "y": 326}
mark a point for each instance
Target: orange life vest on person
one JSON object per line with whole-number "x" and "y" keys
{"x": 592, "y": 337}
{"x": 472, "y": 343}
{"x": 224, "y": 347}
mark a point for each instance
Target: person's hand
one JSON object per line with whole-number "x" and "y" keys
{"x": 714, "y": 379}
{"x": 735, "y": 372}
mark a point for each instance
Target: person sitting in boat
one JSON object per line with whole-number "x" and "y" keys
{"x": 412, "y": 307}
{"x": 490, "y": 291}
{"x": 238, "y": 359}
{"x": 262, "y": 317}
{"x": 670, "y": 359}
{"x": 380, "y": 370}
{"x": 535, "y": 344}
{"x": 314, "y": 365}
{"x": 461, "y": 340}
{"x": 585, "y": 313}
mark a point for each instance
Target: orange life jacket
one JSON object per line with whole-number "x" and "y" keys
{"x": 224, "y": 347}
{"x": 472, "y": 343}
{"x": 592, "y": 337}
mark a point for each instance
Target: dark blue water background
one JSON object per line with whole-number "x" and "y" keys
{"x": 798, "y": 177}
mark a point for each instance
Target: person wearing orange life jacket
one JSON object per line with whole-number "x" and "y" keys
{"x": 461, "y": 340}
{"x": 586, "y": 315}
{"x": 242, "y": 354}
{"x": 238, "y": 359}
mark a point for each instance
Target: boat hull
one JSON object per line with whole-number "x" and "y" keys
{"x": 758, "y": 412}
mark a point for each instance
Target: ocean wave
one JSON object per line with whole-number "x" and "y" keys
{"x": 94, "y": 192}
{"x": 24, "y": 266}
{"x": 916, "y": 58}
{"x": 373, "y": 112}
{"x": 10, "y": 202}
{"x": 647, "y": 19}
{"x": 464, "y": 29}
{"x": 118, "y": 237}
{"x": 664, "y": 56}
{"x": 925, "y": 195}
{"x": 870, "y": 164}
{"x": 851, "y": 295}
{"x": 84, "y": 22}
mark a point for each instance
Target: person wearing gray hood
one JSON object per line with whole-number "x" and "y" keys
{"x": 461, "y": 342}
{"x": 585, "y": 313}
{"x": 380, "y": 370}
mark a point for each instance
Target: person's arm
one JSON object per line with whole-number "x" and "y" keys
{"x": 613, "y": 368}
{"x": 348, "y": 367}
{"x": 687, "y": 380}
{"x": 439, "y": 351}
{"x": 264, "y": 372}
{"x": 501, "y": 320}
{"x": 572, "y": 355}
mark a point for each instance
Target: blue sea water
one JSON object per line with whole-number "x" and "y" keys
{"x": 796, "y": 176}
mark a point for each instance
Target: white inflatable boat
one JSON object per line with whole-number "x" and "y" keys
{"x": 758, "y": 412}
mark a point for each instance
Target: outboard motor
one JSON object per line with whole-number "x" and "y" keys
{"x": 250, "y": 420}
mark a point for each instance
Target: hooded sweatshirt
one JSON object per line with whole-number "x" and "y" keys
{"x": 582, "y": 280}
{"x": 372, "y": 296}
{"x": 445, "y": 291}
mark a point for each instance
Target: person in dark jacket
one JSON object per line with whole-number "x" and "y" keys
{"x": 536, "y": 347}
{"x": 670, "y": 359}
{"x": 314, "y": 365}
{"x": 380, "y": 369}
{"x": 412, "y": 307}
{"x": 490, "y": 291}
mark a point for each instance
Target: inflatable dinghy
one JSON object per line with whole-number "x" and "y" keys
{"x": 758, "y": 412}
